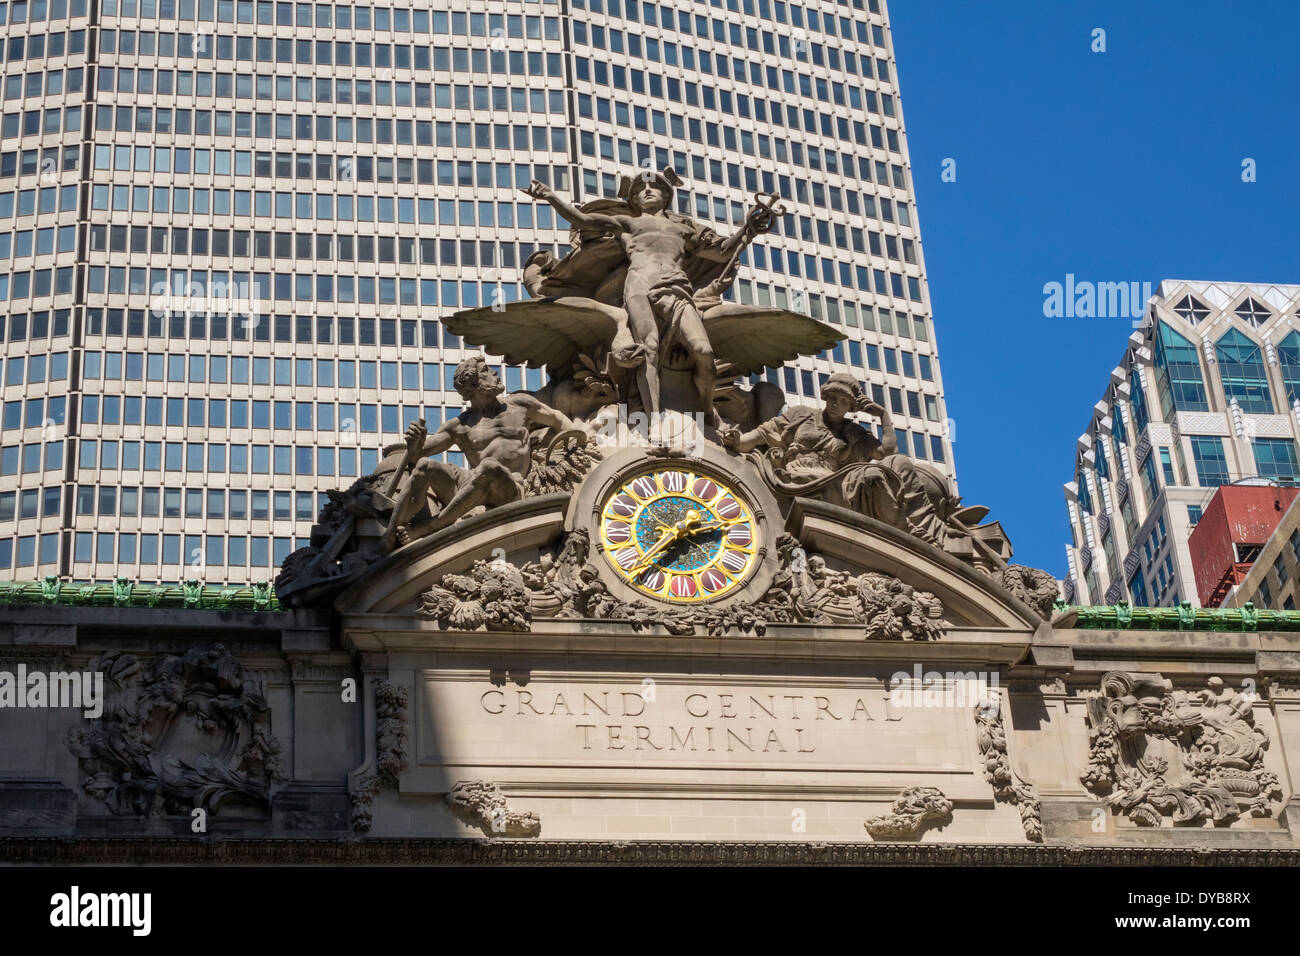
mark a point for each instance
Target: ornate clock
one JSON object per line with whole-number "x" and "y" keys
{"x": 679, "y": 535}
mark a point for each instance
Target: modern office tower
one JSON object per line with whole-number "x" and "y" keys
{"x": 1207, "y": 394}
{"x": 233, "y": 226}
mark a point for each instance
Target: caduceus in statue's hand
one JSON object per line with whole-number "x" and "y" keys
{"x": 657, "y": 294}
{"x": 761, "y": 218}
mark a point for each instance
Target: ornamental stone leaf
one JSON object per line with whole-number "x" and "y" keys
{"x": 500, "y": 596}
{"x": 482, "y": 804}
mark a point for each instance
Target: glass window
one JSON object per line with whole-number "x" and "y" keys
{"x": 1241, "y": 366}
{"x": 1085, "y": 498}
{"x": 1103, "y": 466}
{"x": 1137, "y": 590}
{"x": 1178, "y": 374}
{"x": 1211, "y": 462}
{"x": 1191, "y": 310}
{"x": 1276, "y": 458}
{"x": 1149, "y": 483}
{"x": 1288, "y": 361}
{"x": 1117, "y": 429}
{"x": 1138, "y": 399}
{"x": 1167, "y": 467}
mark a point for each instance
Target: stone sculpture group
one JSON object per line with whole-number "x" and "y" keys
{"x": 632, "y": 322}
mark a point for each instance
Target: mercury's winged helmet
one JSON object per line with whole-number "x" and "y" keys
{"x": 666, "y": 179}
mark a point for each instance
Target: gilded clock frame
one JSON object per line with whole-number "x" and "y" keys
{"x": 730, "y": 558}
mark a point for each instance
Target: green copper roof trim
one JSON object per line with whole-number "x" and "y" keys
{"x": 1182, "y": 618}
{"x": 126, "y": 593}
{"x": 260, "y": 596}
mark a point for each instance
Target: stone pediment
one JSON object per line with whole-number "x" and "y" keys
{"x": 394, "y": 584}
{"x": 815, "y": 566}
{"x": 970, "y": 597}
{"x": 655, "y": 484}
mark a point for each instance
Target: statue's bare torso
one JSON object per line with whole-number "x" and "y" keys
{"x": 500, "y": 435}
{"x": 657, "y": 248}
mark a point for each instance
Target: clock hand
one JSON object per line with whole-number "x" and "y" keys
{"x": 668, "y": 537}
{"x": 682, "y": 527}
{"x": 714, "y": 526}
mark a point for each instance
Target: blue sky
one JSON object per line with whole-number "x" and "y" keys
{"x": 1116, "y": 166}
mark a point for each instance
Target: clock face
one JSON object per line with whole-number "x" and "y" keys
{"x": 679, "y": 536}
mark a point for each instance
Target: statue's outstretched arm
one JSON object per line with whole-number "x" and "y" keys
{"x": 724, "y": 250}
{"x": 733, "y": 438}
{"x": 539, "y": 190}
{"x": 417, "y": 436}
{"x": 759, "y": 221}
{"x": 539, "y": 413}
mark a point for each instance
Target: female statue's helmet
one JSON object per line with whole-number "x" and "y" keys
{"x": 844, "y": 384}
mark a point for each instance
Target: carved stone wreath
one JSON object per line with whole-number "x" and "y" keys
{"x": 1034, "y": 587}
{"x": 187, "y": 731}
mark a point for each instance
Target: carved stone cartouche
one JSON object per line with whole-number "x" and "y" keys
{"x": 1194, "y": 755}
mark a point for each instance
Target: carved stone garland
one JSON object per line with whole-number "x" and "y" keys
{"x": 499, "y": 596}
{"x": 390, "y": 752}
{"x": 991, "y": 738}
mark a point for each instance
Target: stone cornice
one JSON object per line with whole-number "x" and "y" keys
{"x": 648, "y": 853}
{"x": 399, "y": 634}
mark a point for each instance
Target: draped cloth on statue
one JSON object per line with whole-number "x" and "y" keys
{"x": 806, "y": 458}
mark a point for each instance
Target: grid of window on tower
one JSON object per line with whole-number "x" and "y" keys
{"x": 328, "y": 191}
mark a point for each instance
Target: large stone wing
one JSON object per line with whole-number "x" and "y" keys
{"x": 539, "y": 332}
{"x": 749, "y": 338}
